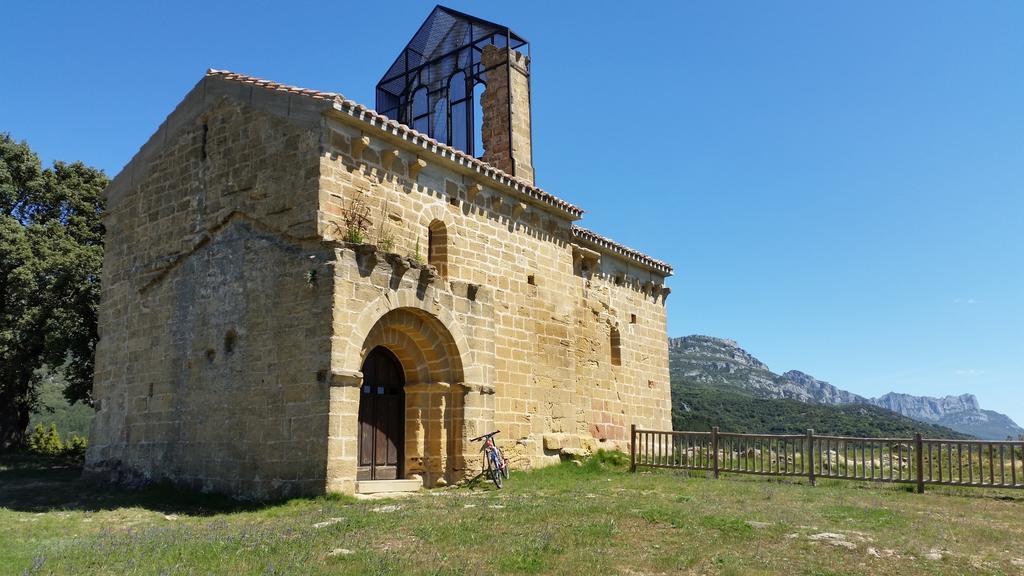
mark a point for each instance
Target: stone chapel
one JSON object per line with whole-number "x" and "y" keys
{"x": 304, "y": 295}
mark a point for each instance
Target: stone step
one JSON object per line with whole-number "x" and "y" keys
{"x": 380, "y": 486}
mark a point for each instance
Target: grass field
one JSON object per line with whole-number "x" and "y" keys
{"x": 594, "y": 519}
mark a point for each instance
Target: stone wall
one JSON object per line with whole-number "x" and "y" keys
{"x": 235, "y": 315}
{"x": 544, "y": 345}
{"x": 506, "y": 128}
{"x": 212, "y": 364}
{"x": 440, "y": 331}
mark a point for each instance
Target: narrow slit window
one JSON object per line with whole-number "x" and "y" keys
{"x": 616, "y": 345}
{"x": 437, "y": 247}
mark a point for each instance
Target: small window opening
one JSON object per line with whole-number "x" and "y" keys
{"x": 150, "y": 389}
{"x": 229, "y": 341}
{"x": 632, "y": 318}
{"x": 437, "y": 247}
{"x": 531, "y": 280}
{"x": 616, "y": 342}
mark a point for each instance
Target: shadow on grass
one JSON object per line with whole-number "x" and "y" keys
{"x": 31, "y": 483}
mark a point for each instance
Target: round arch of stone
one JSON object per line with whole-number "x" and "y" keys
{"x": 424, "y": 346}
{"x": 420, "y": 327}
{"x": 442, "y": 387}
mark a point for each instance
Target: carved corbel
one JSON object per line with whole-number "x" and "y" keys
{"x": 398, "y": 263}
{"x": 428, "y": 274}
{"x": 366, "y": 254}
{"x": 496, "y": 201}
{"x": 387, "y": 158}
{"x": 588, "y": 259}
{"x": 451, "y": 189}
{"x": 472, "y": 190}
{"x": 518, "y": 208}
{"x": 358, "y": 145}
{"x": 415, "y": 167}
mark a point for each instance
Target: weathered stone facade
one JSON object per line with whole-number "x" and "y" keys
{"x": 237, "y": 313}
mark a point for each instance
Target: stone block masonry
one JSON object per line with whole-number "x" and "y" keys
{"x": 236, "y": 315}
{"x": 506, "y": 108}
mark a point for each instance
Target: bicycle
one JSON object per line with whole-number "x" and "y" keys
{"x": 497, "y": 464}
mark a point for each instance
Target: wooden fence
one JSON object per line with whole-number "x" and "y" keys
{"x": 919, "y": 461}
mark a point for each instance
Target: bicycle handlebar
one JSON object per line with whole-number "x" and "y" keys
{"x": 488, "y": 435}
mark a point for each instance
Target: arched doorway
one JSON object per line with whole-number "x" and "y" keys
{"x": 430, "y": 360}
{"x": 381, "y": 417}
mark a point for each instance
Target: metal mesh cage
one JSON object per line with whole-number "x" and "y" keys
{"x": 432, "y": 84}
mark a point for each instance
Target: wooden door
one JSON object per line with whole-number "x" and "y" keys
{"x": 381, "y": 417}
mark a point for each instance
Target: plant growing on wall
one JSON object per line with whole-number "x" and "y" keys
{"x": 357, "y": 221}
{"x": 385, "y": 237}
{"x": 416, "y": 255}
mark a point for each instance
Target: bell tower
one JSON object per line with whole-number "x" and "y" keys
{"x": 465, "y": 82}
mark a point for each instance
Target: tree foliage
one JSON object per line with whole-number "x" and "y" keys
{"x": 48, "y": 442}
{"x": 51, "y": 252}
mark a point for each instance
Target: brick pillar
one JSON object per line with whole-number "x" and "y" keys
{"x": 508, "y": 144}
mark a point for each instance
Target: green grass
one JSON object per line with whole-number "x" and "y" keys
{"x": 567, "y": 519}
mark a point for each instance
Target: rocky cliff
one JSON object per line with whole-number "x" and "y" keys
{"x": 961, "y": 413}
{"x": 722, "y": 363}
{"x": 819, "y": 390}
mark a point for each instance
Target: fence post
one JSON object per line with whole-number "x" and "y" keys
{"x": 810, "y": 455}
{"x": 632, "y": 447}
{"x": 919, "y": 447}
{"x": 714, "y": 448}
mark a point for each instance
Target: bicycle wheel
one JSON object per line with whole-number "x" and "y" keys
{"x": 492, "y": 463}
{"x": 504, "y": 462}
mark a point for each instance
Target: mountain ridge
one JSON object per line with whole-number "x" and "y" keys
{"x": 720, "y": 363}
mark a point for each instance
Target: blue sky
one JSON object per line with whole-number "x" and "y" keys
{"x": 840, "y": 186}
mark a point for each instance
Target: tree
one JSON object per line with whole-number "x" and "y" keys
{"x": 51, "y": 252}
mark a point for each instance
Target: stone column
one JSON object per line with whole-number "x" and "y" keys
{"x": 507, "y": 139}
{"x": 477, "y": 413}
{"x": 428, "y": 424}
{"x": 343, "y": 431}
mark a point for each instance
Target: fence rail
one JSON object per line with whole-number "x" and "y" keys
{"x": 917, "y": 460}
